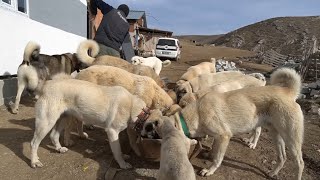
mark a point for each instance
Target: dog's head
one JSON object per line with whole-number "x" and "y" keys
{"x": 151, "y": 127}
{"x": 136, "y": 60}
{"x": 182, "y": 89}
{"x": 154, "y": 123}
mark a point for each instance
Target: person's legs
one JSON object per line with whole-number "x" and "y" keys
{"x": 104, "y": 50}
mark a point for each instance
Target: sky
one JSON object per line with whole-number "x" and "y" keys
{"x": 211, "y": 17}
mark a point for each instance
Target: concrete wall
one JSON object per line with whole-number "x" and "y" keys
{"x": 67, "y": 15}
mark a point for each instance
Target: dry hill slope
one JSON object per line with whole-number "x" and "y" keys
{"x": 287, "y": 35}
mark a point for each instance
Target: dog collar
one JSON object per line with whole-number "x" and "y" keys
{"x": 184, "y": 125}
{"x": 142, "y": 117}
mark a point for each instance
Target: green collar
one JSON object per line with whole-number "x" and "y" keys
{"x": 184, "y": 125}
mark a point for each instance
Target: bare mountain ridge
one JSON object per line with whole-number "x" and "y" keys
{"x": 286, "y": 35}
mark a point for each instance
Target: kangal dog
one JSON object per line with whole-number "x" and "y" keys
{"x": 245, "y": 81}
{"x": 153, "y": 62}
{"x": 142, "y": 86}
{"x": 92, "y": 45}
{"x": 195, "y": 71}
{"x": 273, "y": 106}
{"x": 175, "y": 146}
{"x": 36, "y": 68}
{"x": 204, "y": 81}
{"x": 112, "y": 108}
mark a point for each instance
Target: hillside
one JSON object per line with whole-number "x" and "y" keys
{"x": 286, "y": 35}
{"x": 201, "y": 39}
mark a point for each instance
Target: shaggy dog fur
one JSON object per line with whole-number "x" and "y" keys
{"x": 153, "y": 62}
{"x": 91, "y": 45}
{"x": 195, "y": 71}
{"x": 112, "y": 108}
{"x": 36, "y": 68}
{"x": 273, "y": 106}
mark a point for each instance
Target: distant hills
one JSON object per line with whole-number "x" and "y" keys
{"x": 286, "y": 35}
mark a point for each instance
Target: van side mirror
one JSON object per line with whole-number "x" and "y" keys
{"x": 180, "y": 46}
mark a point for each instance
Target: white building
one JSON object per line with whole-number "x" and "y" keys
{"x": 57, "y": 25}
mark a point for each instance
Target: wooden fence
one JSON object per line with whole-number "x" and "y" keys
{"x": 274, "y": 58}
{"x": 310, "y": 69}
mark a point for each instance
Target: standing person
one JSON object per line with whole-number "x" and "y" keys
{"x": 113, "y": 32}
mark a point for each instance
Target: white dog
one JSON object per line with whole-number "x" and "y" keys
{"x": 112, "y": 108}
{"x": 196, "y": 70}
{"x": 153, "y": 62}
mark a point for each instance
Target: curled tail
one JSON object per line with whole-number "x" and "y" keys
{"x": 166, "y": 63}
{"x": 83, "y": 49}
{"x": 287, "y": 77}
{"x": 31, "y": 50}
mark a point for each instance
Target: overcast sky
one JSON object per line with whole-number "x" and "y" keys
{"x": 209, "y": 17}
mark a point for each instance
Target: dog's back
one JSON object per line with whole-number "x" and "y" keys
{"x": 145, "y": 87}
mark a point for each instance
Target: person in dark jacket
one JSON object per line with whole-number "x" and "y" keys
{"x": 113, "y": 32}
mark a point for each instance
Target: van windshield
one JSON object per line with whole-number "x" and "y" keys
{"x": 163, "y": 42}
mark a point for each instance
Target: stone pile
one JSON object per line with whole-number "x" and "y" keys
{"x": 224, "y": 65}
{"x": 310, "y": 90}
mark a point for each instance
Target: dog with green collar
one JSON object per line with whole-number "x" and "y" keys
{"x": 224, "y": 115}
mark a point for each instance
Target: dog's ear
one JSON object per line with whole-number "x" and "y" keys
{"x": 176, "y": 119}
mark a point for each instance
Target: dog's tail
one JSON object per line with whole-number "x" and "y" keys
{"x": 287, "y": 77}
{"x": 32, "y": 50}
{"x": 83, "y": 49}
{"x": 166, "y": 63}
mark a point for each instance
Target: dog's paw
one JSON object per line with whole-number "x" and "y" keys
{"x": 84, "y": 135}
{"x": 205, "y": 172}
{"x": 246, "y": 140}
{"x": 125, "y": 165}
{"x": 252, "y": 145}
{"x": 63, "y": 149}
{"x": 273, "y": 174}
{"x": 36, "y": 164}
{"x": 14, "y": 110}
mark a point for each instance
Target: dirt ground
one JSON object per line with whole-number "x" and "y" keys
{"x": 92, "y": 158}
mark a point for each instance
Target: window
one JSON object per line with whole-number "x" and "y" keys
{"x": 7, "y": 1}
{"x": 22, "y": 6}
{"x": 16, "y": 5}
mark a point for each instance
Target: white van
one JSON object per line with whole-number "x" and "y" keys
{"x": 168, "y": 48}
